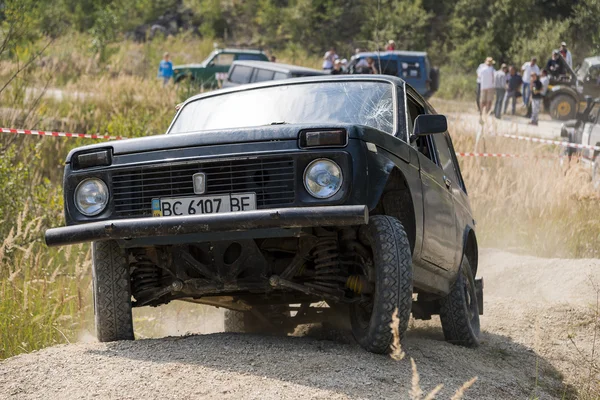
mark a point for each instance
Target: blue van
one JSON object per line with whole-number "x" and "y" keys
{"x": 412, "y": 66}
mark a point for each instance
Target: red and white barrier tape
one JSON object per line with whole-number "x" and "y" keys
{"x": 556, "y": 142}
{"x": 61, "y": 134}
{"x": 499, "y": 155}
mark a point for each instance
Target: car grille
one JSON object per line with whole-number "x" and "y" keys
{"x": 272, "y": 179}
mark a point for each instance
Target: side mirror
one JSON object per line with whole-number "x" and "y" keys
{"x": 430, "y": 124}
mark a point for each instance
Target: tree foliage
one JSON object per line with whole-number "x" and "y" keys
{"x": 460, "y": 33}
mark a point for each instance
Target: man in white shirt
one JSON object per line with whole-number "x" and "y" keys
{"x": 329, "y": 58}
{"x": 526, "y": 70}
{"x": 481, "y": 67}
{"x": 487, "y": 82}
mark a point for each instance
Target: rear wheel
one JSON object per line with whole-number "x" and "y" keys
{"x": 112, "y": 292}
{"x": 563, "y": 107}
{"x": 392, "y": 279}
{"x": 459, "y": 310}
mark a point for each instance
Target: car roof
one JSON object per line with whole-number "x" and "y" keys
{"x": 247, "y": 51}
{"x": 277, "y": 66}
{"x": 282, "y": 82}
{"x": 390, "y": 53}
{"x": 593, "y": 60}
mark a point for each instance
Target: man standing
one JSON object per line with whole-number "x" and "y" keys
{"x": 329, "y": 58}
{"x": 500, "y": 84}
{"x": 478, "y": 93}
{"x": 566, "y": 54}
{"x": 527, "y": 69}
{"x": 391, "y": 46}
{"x": 337, "y": 68}
{"x": 536, "y": 98}
{"x": 553, "y": 65}
{"x": 514, "y": 85}
{"x": 165, "y": 69}
{"x": 487, "y": 82}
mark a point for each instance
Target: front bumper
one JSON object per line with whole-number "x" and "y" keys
{"x": 136, "y": 228}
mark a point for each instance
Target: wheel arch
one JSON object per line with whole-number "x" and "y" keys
{"x": 470, "y": 249}
{"x": 396, "y": 200}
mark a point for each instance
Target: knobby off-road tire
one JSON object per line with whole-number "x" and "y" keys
{"x": 459, "y": 311}
{"x": 563, "y": 107}
{"x": 112, "y": 292}
{"x": 392, "y": 262}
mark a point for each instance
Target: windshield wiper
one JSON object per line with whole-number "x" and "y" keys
{"x": 278, "y": 123}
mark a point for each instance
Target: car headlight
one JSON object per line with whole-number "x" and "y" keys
{"x": 323, "y": 178}
{"x": 91, "y": 196}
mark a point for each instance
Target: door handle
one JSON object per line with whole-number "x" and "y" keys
{"x": 448, "y": 182}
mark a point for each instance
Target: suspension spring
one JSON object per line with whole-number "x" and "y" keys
{"x": 145, "y": 275}
{"x": 326, "y": 255}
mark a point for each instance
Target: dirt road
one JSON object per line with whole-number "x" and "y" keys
{"x": 537, "y": 311}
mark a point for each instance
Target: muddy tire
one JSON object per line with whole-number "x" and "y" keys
{"x": 459, "y": 310}
{"x": 111, "y": 292}
{"x": 393, "y": 280}
{"x": 563, "y": 107}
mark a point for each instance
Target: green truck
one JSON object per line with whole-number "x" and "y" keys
{"x": 215, "y": 67}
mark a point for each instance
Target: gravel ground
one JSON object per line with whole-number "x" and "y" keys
{"x": 536, "y": 311}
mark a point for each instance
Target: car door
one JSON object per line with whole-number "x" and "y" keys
{"x": 219, "y": 66}
{"x": 439, "y": 222}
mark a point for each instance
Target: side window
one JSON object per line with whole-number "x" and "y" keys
{"x": 423, "y": 143}
{"x": 389, "y": 67}
{"x": 223, "y": 59}
{"x": 250, "y": 57}
{"x": 240, "y": 74}
{"x": 446, "y": 158}
{"x": 411, "y": 69}
{"x": 263, "y": 75}
{"x": 280, "y": 75}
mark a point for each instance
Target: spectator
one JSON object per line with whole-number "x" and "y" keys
{"x": 527, "y": 69}
{"x": 487, "y": 82}
{"x": 553, "y": 65}
{"x": 273, "y": 59}
{"x": 391, "y": 46}
{"x": 500, "y": 85}
{"x": 536, "y": 98}
{"x": 566, "y": 54}
{"x": 478, "y": 94}
{"x": 513, "y": 89}
{"x": 337, "y": 68}
{"x": 329, "y": 58}
{"x": 545, "y": 79}
{"x": 372, "y": 68}
{"x": 344, "y": 65}
{"x": 165, "y": 69}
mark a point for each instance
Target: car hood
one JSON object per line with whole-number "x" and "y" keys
{"x": 216, "y": 137}
{"x": 189, "y": 66}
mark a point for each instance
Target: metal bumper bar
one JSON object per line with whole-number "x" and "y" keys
{"x": 286, "y": 218}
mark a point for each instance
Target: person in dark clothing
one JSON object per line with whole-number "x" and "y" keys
{"x": 513, "y": 89}
{"x": 553, "y": 66}
{"x": 337, "y": 68}
{"x": 537, "y": 94}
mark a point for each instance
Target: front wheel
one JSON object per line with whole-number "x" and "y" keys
{"x": 393, "y": 281}
{"x": 112, "y": 292}
{"x": 459, "y": 310}
{"x": 563, "y": 107}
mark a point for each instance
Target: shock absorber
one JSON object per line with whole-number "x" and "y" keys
{"x": 145, "y": 275}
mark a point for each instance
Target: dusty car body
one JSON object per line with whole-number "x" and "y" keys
{"x": 585, "y": 130}
{"x": 267, "y": 196}
{"x": 244, "y": 72}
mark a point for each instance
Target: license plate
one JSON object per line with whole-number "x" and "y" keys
{"x": 216, "y": 204}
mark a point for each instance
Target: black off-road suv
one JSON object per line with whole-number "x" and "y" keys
{"x": 266, "y": 199}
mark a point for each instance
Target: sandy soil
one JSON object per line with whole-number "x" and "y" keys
{"x": 539, "y": 322}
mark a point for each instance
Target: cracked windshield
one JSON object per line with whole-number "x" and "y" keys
{"x": 363, "y": 103}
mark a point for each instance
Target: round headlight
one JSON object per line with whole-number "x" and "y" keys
{"x": 323, "y": 178}
{"x": 91, "y": 196}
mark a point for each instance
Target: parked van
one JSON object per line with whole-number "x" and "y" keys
{"x": 242, "y": 72}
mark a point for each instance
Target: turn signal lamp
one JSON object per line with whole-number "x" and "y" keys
{"x": 323, "y": 138}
